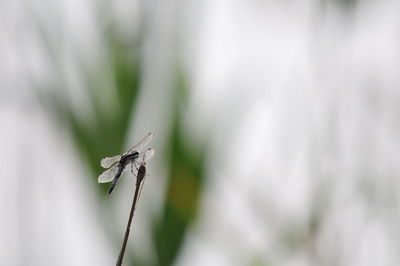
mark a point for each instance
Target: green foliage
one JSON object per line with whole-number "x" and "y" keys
{"x": 182, "y": 197}
{"x": 102, "y": 130}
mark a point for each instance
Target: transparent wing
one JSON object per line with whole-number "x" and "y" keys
{"x": 108, "y": 161}
{"x": 108, "y": 175}
{"x": 147, "y": 155}
{"x": 143, "y": 142}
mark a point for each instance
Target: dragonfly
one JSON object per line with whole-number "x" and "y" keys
{"x": 117, "y": 164}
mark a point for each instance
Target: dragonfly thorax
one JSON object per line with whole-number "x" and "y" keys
{"x": 128, "y": 158}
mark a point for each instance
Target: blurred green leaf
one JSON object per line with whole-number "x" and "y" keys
{"x": 185, "y": 181}
{"x": 104, "y": 133}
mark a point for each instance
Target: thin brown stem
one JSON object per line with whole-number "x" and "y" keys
{"x": 128, "y": 227}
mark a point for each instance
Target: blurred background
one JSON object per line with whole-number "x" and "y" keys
{"x": 277, "y": 131}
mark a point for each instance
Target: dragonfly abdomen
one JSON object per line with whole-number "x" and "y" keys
{"x": 114, "y": 182}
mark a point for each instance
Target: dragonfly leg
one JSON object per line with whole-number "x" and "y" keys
{"x": 134, "y": 164}
{"x": 137, "y": 168}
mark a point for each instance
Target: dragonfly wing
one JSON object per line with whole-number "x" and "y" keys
{"x": 108, "y": 175}
{"x": 143, "y": 142}
{"x": 108, "y": 161}
{"x": 147, "y": 155}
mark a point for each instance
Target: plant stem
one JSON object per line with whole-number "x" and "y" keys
{"x": 128, "y": 227}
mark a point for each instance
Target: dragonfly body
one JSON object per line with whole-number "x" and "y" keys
{"x": 117, "y": 164}
{"x": 124, "y": 161}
